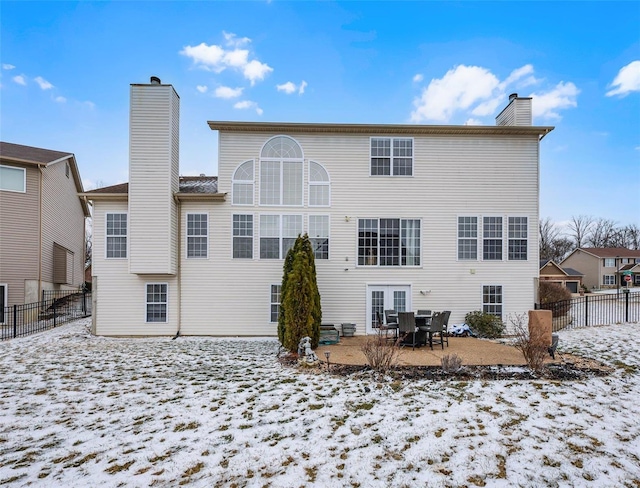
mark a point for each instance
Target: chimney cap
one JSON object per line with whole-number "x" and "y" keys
{"x": 513, "y": 96}
{"x": 155, "y": 80}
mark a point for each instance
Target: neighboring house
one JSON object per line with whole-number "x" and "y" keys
{"x": 401, "y": 216}
{"x": 41, "y": 223}
{"x": 603, "y": 267}
{"x": 567, "y": 277}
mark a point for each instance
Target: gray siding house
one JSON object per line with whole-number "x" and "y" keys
{"x": 401, "y": 216}
{"x": 42, "y": 223}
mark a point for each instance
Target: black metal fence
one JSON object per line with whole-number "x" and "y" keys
{"x": 594, "y": 309}
{"x": 23, "y": 320}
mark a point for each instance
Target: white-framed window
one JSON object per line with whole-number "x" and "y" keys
{"x": 492, "y": 238}
{"x": 116, "y": 235}
{"x": 518, "y": 240}
{"x": 389, "y": 242}
{"x": 468, "y": 238}
{"x": 609, "y": 262}
{"x": 197, "y": 235}
{"x": 391, "y": 156}
{"x": 157, "y": 300}
{"x": 242, "y": 184}
{"x": 278, "y": 234}
{"x": 608, "y": 279}
{"x": 275, "y": 298}
{"x": 242, "y": 236}
{"x": 13, "y": 179}
{"x": 319, "y": 235}
{"x": 319, "y": 186}
{"x": 281, "y": 172}
{"x": 492, "y": 299}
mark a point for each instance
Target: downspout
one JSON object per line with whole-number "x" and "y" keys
{"x": 40, "y": 234}
{"x": 179, "y": 280}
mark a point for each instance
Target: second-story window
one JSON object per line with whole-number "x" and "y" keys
{"x": 243, "y": 236}
{"x": 242, "y": 184}
{"x": 197, "y": 235}
{"x": 281, "y": 172}
{"x": 468, "y": 238}
{"x": 319, "y": 185}
{"x": 391, "y": 156}
{"x": 389, "y": 242}
{"x": 492, "y": 238}
{"x": 609, "y": 262}
{"x": 518, "y": 242}
{"x": 278, "y": 234}
{"x": 116, "y": 235}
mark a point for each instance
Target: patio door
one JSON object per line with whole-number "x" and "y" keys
{"x": 386, "y": 297}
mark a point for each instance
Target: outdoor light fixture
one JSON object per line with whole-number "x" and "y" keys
{"x": 326, "y": 355}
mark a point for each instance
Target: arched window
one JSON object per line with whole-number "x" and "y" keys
{"x": 281, "y": 172}
{"x": 319, "y": 186}
{"x": 242, "y": 184}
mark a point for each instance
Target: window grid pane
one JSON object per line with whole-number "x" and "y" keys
{"x": 197, "y": 235}
{"x": 243, "y": 236}
{"x": 518, "y": 242}
{"x": 270, "y": 183}
{"x": 156, "y": 302}
{"x": 377, "y": 305}
{"x": 269, "y": 236}
{"x": 116, "y": 241}
{"x": 12, "y": 179}
{"x": 275, "y": 302}
{"x": 468, "y": 238}
{"x": 400, "y": 301}
{"x": 492, "y": 300}
{"x": 410, "y": 242}
{"x": 291, "y": 229}
{"x": 319, "y": 235}
{"x": 389, "y": 242}
{"x": 368, "y": 242}
{"x": 492, "y": 233}
{"x": 292, "y": 183}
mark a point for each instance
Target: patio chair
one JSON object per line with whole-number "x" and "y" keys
{"x": 389, "y": 319}
{"x": 407, "y": 329}
{"x": 393, "y": 326}
{"x": 445, "y": 326}
{"x": 437, "y": 327}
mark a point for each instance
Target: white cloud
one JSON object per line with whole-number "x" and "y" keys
{"x": 303, "y": 85}
{"x": 20, "y": 80}
{"x": 476, "y": 91}
{"x": 473, "y": 122}
{"x": 626, "y": 81}
{"x": 217, "y": 59}
{"x": 228, "y": 92}
{"x": 247, "y": 104}
{"x": 202, "y": 88}
{"x": 89, "y": 105}
{"x": 418, "y": 78}
{"x": 7, "y": 66}
{"x": 60, "y": 99}
{"x": 288, "y": 87}
{"x": 457, "y": 90}
{"x": 44, "y": 84}
{"x": 547, "y": 104}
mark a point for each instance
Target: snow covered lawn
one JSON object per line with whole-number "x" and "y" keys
{"x": 77, "y": 410}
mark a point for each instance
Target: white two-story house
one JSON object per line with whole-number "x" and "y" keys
{"x": 401, "y": 216}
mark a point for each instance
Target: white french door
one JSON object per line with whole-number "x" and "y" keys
{"x": 386, "y": 297}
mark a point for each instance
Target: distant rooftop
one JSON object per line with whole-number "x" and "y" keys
{"x": 188, "y": 184}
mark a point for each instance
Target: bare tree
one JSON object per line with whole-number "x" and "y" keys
{"x": 604, "y": 233}
{"x": 548, "y": 233}
{"x": 631, "y": 237}
{"x": 561, "y": 247}
{"x": 580, "y": 228}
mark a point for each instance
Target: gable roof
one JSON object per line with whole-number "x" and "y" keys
{"x": 547, "y": 263}
{"x": 37, "y": 156}
{"x": 190, "y": 187}
{"x": 609, "y": 252}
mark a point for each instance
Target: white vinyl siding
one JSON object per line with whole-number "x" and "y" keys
{"x": 391, "y": 156}
{"x": 13, "y": 179}
{"x": 389, "y": 242}
{"x": 242, "y": 184}
{"x": 518, "y": 242}
{"x": 116, "y": 235}
{"x": 157, "y": 299}
{"x": 243, "y": 236}
{"x": 468, "y": 238}
{"x": 319, "y": 235}
{"x": 197, "y": 235}
{"x": 319, "y": 186}
{"x": 492, "y": 299}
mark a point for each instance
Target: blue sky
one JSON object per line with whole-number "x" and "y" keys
{"x": 67, "y": 67}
